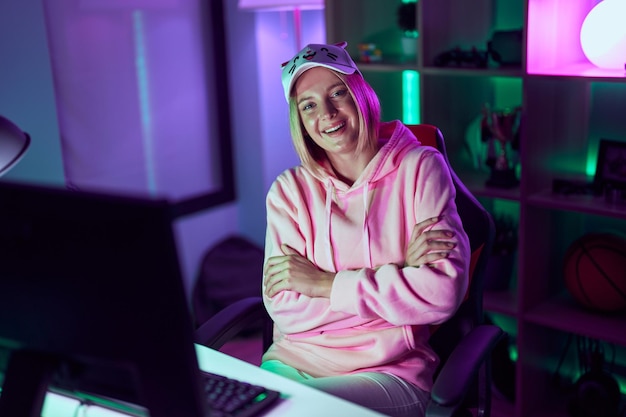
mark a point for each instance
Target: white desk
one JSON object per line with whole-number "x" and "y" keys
{"x": 299, "y": 401}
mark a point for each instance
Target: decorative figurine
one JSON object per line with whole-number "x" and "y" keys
{"x": 500, "y": 129}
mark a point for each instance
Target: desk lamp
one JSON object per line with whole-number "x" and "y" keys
{"x": 13, "y": 144}
{"x": 603, "y": 35}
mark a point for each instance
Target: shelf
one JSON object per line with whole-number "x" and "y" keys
{"x": 578, "y": 70}
{"x": 482, "y": 190}
{"x": 578, "y": 203}
{"x": 386, "y": 66}
{"x": 476, "y": 183}
{"x": 391, "y": 66}
{"x": 473, "y": 72}
{"x": 568, "y": 106}
{"x": 562, "y": 313}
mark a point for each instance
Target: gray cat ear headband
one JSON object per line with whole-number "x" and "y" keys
{"x": 333, "y": 56}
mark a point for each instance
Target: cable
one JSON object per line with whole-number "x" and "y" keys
{"x": 556, "y": 377}
{"x": 83, "y": 405}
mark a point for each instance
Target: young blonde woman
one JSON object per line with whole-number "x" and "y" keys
{"x": 364, "y": 248}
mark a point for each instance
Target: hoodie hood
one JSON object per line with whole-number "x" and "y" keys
{"x": 395, "y": 140}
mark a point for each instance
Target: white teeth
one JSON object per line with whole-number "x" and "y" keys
{"x": 335, "y": 128}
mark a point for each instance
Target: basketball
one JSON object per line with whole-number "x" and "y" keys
{"x": 594, "y": 270}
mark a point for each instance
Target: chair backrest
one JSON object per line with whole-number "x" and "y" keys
{"x": 480, "y": 228}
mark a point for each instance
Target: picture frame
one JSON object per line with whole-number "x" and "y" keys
{"x": 218, "y": 76}
{"x": 611, "y": 165}
{"x": 143, "y": 110}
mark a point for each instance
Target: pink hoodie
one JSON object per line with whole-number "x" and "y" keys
{"x": 379, "y": 311}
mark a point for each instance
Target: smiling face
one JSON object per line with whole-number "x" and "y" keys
{"x": 327, "y": 111}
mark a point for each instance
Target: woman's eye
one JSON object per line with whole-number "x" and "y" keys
{"x": 307, "y": 106}
{"x": 338, "y": 93}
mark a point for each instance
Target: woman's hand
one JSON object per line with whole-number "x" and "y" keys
{"x": 428, "y": 245}
{"x": 294, "y": 272}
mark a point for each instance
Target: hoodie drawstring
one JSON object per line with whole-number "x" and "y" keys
{"x": 367, "y": 252}
{"x": 327, "y": 213}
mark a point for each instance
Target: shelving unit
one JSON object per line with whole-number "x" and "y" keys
{"x": 568, "y": 106}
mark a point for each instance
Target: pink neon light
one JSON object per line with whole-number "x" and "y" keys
{"x": 553, "y": 39}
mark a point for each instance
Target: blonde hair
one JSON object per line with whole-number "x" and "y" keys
{"x": 368, "y": 109}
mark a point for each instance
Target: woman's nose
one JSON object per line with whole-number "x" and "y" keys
{"x": 329, "y": 110}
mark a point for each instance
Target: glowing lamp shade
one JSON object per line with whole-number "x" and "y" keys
{"x": 13, "y": 144}
{"x": 603, "y": 35}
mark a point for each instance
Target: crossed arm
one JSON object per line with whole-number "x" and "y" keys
{"x": 294, "y": 272}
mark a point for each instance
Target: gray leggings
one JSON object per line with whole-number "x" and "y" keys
{"x": 384, "y": 393}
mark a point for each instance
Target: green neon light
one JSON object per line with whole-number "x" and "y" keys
{"x": 410, "y": 97}
{"x": 592, "y": 159}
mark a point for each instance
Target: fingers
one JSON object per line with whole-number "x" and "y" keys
{"x": 288, "y": 250}
{"x": 431, "y": 240}
{"x": 428, "y": 245}
{"x": 430, "y": 258}
{"x": 273, "y": 266}
{"x": 272, "y": 286}
{"x": 276, "y": 271}
{"x": 274, "y": 275}
{"x": 418, "y": 259}
{"x": 275, "y": 260}
{"x": 419, "y": 228}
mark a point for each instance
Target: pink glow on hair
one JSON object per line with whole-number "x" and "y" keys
{"x": 368, "y": 104}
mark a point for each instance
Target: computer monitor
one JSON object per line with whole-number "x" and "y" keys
{"x": 91, "y": 299}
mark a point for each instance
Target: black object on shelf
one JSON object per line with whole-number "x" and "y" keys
{"x": 574, "y": 187}
{"x": 505, "y": 47}
{"x": 458, "y": 57}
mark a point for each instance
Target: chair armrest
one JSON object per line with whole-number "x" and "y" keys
{"x": 230, "y": 321}
{"x": 462, "y": 366}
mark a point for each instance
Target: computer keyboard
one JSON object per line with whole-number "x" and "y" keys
{"x": 225, "y": 397}
{"x": 233, "y": 398}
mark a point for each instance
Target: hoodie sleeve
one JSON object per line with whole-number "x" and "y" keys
{"x": 289, "y": 222}
{"x": 408, "y": 295}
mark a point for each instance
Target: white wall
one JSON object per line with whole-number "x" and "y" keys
{"x": 27, "y": 97}
{"x": 257, "y": 44}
